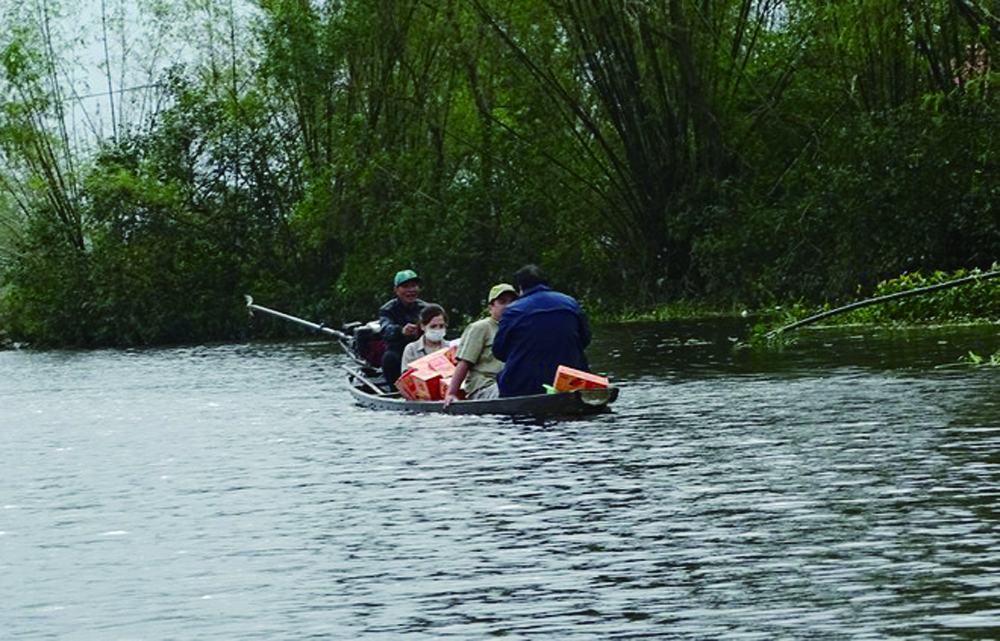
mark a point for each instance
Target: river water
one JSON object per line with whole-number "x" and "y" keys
{"x": 844, "y": 487}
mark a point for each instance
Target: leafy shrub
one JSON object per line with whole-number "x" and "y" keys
{"x": 976, "y": 300}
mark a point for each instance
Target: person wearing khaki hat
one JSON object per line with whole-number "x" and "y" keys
{"x": 476, "y": 373}
{"x": 399, "y": 319}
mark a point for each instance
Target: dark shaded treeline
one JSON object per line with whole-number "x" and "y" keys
{"x": 733, "y": 152}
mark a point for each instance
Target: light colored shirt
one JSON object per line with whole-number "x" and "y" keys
{"x": 476, "y": 347}
{"x": 417, "y": 349}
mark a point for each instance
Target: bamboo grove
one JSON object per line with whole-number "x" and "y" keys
{"x": 159, "y": 159}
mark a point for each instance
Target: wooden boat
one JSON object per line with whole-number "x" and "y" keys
{"x": 369, "y": 389}
{"x": 580, "y": 402}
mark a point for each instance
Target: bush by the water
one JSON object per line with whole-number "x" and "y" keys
{"x": 975, "y": 301}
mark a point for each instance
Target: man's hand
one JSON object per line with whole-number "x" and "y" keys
{"x": 410, "y": 329}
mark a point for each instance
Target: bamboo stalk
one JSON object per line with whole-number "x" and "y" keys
{"x": 882, "y": 299}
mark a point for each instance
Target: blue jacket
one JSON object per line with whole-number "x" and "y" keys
{"x": 539, "y": 332}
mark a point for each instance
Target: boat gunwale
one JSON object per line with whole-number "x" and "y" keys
{"x": 566, "y": 404}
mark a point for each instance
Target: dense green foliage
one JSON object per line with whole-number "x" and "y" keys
{"x": 738, "y": 152}
{"x": 977, "y": 300}
{"x": 911, "y": 299}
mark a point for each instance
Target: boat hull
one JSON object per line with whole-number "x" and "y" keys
{"x": 589, "y": 401}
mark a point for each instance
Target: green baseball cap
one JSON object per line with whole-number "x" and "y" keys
{"x": 404, "y": 276}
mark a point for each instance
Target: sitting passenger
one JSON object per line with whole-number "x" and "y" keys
{"x": 398, "y": 319}
{"x": 540, "y": 331}
{"x": 433, "y": 325}
{"x": 477, "y": 369}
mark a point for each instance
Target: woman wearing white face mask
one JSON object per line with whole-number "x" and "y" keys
{"x": 433, "y": 326}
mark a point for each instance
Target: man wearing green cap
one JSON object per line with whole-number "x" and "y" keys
{"x": 477, "y": 369}
{"x": 399, "y": 319}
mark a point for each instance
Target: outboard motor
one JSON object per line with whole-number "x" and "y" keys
{"x": 367, "y": 341}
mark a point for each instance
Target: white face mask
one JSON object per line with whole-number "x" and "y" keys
{"x": 435, "y": 335}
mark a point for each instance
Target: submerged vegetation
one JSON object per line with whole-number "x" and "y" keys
{"x": 911, "y": 299}
{"x": 734, "y": 155}
{"x": 975, "y": 300}
{"x": 972, "y": 358}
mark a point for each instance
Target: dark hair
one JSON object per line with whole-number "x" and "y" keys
{"x": 430, "y": 312}
{"x": 529, "y": 276}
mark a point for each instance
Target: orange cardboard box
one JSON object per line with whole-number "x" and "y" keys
{"x": 442, "y": 361}
{"x": 420, "y": 385}
{"x": 407, "y": 385}
{"x": 427, "y": 377}
{"x": 569, "y": 379}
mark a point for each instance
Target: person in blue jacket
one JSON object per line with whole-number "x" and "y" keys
{"x": 538, "y": 332}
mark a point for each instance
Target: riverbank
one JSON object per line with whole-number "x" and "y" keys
{"x": 961, "y": 298}
{"x": 672, "y": 311}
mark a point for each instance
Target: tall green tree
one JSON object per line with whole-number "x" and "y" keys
{"x": 657, "y": 96}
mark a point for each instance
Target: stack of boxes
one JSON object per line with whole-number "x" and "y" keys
{"x": 428, "y": 377}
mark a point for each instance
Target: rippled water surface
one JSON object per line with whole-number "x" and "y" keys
{"x": 843, "y": 488}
